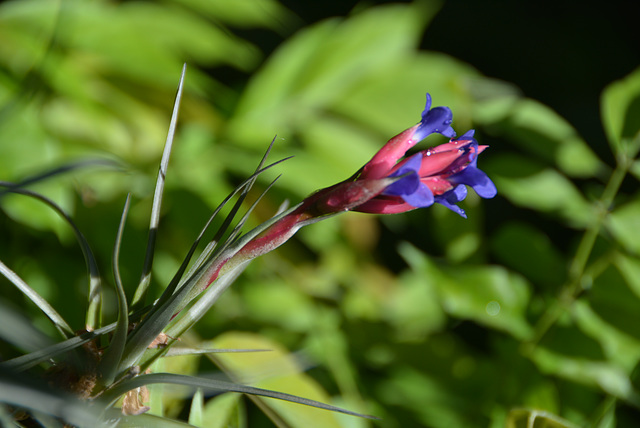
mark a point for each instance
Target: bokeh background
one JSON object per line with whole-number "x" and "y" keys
{"x": 422, "y": 319}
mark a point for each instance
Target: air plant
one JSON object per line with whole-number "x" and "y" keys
{"x": 93, "y": 369}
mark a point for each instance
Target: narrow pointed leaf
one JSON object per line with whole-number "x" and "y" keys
{"x": 39, "y": 301}
{"x": 94, "y": 309}
{"x": 171, "y": 302}
{"x": 141, "y": 291}
{"x": 218, "y": 385}
{"x": 113, "y": 354}
{"x": 174, "y": 352}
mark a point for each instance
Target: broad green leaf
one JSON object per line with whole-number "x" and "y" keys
{"x": 609, "y": 377}
{"x": 619, "y": 348}
{"x": 614, "y": 300}
{"x": 547, "y": 191}
{"x": 491, "y": 296}
{"x": 225, "y": 411}
{"x": 528, "y": 418}
{"x": 279, "y": 371}
{"x": 624, "y": 224}
{"x": 620, "y": 108}
{"x": 629, "y": 268}
{"x": 543, "y": 132}
{"x": 244, "y": 13}
{"x": 392, "y": 97}
{"x": 314, "y": 68}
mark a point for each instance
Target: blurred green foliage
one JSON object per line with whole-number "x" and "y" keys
{"x": 524, "y": 315}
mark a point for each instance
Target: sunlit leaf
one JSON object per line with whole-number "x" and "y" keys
{"x": 619, "y": 347}
{"x": 609, "y": 377}
{"x": 620, "y": 106}
{"x": 527, "y": 418}
{"x": 491, "y": 296}
{"x": 275, "y": 370}
{"x": 225, "y": 411}
{"x": 624, "y": 224}
{"x": 543, "y": 132}
{"x": 319, "y": 64}
{"x": 547, "y": 191}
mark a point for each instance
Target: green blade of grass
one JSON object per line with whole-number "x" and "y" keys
{"x": 145, "y": 280}
{"x": 113, "y": 355}
{"x": 217, "y": 385}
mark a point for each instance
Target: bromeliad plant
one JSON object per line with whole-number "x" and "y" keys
{"x": 104, "y": 363}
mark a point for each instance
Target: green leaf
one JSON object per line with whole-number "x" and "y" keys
{"x": 314, "y": 68}
{"x": 141, "y": 290}
{"x": 546, "y": 134}
{"x": 225, "y": 411}
{"x": 219, "y": 385}
{"x": 38, "y": 300}
{"x": 112, "y": 356}
{"x": 527, "y": 418}
{"x": 491, "y": 296}
{"x": 629, "y": 267}
{"x": 606, "y": 376}
{"x": 245, "y": 13}
{"x": 624, "y": 225}
{"x": 621, "y": 349}
{"x": 197, "y": 409}
{"x": 547, "y": 191}
{"x": 620, "y": 109}
{"x": 48, "y": 353}
{"x": 275, "y": 370}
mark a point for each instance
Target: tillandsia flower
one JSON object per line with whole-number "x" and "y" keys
{"x": 389, "y": 183}
{"x": 438, "y": 174}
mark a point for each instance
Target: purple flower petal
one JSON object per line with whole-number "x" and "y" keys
{"x": 452, "y": 197}
{"x": 421, "y": 198}
{"x": 477, "y": 179}
{"x": 409, "y": 187}
{"x": 437, "y": 119}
